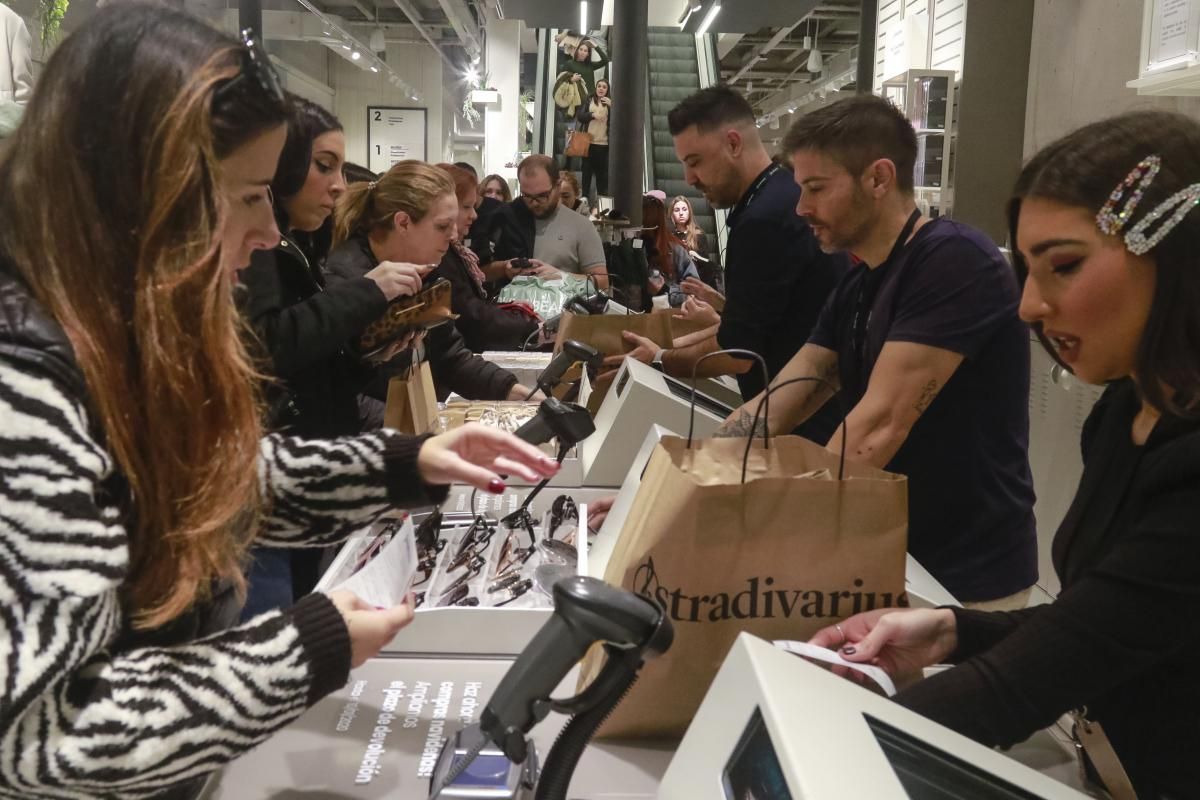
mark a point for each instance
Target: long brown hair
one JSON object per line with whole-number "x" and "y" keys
{"x": 662, "y": 256}
{"x": 409, "y": 186}
{"x": 1082, "y": 169}
{"x": 505, "y": 192}
{"x": 691, "y": 231}
{"x": 135, "y": 279}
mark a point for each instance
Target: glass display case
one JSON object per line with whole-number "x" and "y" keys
{"x": 926, "y": 97}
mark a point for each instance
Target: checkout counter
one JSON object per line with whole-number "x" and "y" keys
{"x": 771, "y": 726}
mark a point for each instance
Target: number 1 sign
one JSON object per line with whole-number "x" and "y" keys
{"x": 395, "y": 134}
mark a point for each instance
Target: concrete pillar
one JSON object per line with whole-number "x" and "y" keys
{"x": 867, "y": 22}
{"x": 626, "y": 131}
{"x": 502, "y": 62}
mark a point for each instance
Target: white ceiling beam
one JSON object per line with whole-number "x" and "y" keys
{"x": 464, "y": 25}
{"x": 415, "y": 18}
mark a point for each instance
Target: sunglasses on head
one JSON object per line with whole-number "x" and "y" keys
{"x": 256, "y": 69}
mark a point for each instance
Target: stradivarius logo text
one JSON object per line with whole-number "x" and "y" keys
{"x": 760, "y": 599}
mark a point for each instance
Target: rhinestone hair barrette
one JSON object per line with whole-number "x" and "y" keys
{"x": 1178, "y": 205}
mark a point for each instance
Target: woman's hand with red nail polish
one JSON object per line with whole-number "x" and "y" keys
{"x": 478, "y": 455}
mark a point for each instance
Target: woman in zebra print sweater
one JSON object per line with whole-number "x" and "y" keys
{"x": 133, "y": 471}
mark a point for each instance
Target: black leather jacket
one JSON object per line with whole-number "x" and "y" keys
{"x": 305, "y": 327}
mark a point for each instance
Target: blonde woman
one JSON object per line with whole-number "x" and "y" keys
{"x": 411, "y": 215}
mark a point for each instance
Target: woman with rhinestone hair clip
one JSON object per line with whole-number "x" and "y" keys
{"x": 1107, "y": 240}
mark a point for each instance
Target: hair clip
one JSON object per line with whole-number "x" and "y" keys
{"x": 371, "y": 185}
{"x": 467, "y": 559}
{"x": 455, "y": 596}
{"x": 555, "y": 552}
{"x": 511, "y": 556}
{"x": 1178, "y": 205}
{"x": 1108, "y": 219}
{"x": 562, "y": 509}
{"x": 503, "y": 583}
{"x": 1182, "y": 202}
{"x": 427, "y": 531}
{"x": 513, "y": 593}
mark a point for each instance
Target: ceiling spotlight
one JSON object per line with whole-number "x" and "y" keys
{"x": 345, "y": 47}
{"x": 356, "y": 55}
{"x": 708, "y": 19}
{"x": 471, "y": 76}
{"x": 377, "y": 43}
{"x": 374, "y": 68}
{"x": 815, "y": 62}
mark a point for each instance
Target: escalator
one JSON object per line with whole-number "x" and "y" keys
{"x": 678, "y": 65}
{"x": 673, "y": 74}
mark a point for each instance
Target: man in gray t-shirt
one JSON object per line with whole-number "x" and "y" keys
{"x": 567, "y": 240}
{"x": 563, "y": 241}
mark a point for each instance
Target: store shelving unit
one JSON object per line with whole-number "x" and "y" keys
{"x": 926, "y": 97}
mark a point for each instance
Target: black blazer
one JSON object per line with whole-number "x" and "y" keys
{"x": 1123, "y": 637}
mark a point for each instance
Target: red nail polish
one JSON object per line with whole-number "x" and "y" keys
{"x": 495, "y": 486}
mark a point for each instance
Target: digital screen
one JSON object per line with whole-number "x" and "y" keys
{"x": 927, "y": 773}
{"x": 487, "y": 771}
{"x": 753, "y": 771}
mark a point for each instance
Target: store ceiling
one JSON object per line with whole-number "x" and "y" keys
{"x": 765, "y": 67}
{"x": 761, "y": 42}
{"x": 737, "y": 16}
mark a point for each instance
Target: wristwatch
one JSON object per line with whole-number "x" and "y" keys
{"x": 657, "y": 361}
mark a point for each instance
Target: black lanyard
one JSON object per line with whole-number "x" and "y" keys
{"x": 861, "y": 322}
{"x": 755, "y": 188}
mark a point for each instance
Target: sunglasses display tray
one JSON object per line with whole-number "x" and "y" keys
{"x": 491, "y": 562}
{"x": 507, "y": 415}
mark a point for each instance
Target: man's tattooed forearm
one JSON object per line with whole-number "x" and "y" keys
{"x": 741, "y": 426}
{"x": 929, "y": 392}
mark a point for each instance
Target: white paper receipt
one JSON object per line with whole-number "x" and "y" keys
{"x": 381, "y": 567}
{"x": 873, "y": 677}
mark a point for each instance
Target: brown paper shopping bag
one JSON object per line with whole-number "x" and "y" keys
{"x": 411, "y": 401}
{"x": 603, "y": 331}
{"x": 788, "y": 551}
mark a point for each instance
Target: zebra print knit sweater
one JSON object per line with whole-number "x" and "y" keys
{"x": 81, "y": 716}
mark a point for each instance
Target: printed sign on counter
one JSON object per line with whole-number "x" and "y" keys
{"x": 394, "y": 135}
{"x": 1174, "y": 31}
{"x": 379, "y": 737}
